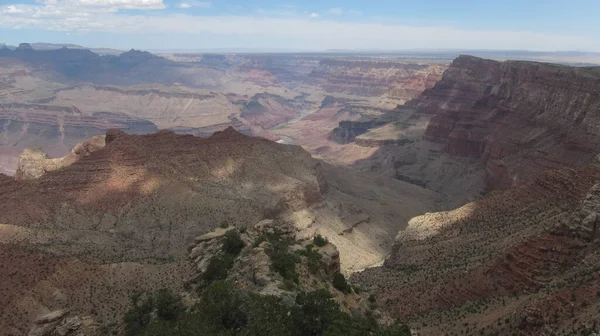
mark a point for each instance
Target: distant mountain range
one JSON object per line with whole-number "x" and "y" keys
{"x": 570, "y": 57}
{"x": 53, "y": 46}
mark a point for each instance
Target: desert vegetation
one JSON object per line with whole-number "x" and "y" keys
{"x": 224, "y": 310}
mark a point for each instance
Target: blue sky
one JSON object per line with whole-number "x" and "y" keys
{"x": 305, "y": 25}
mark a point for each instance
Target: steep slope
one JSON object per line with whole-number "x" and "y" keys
{"x": 118, "y": 219}
{"x": 520, "y": 118}
{"x": 489, "y": 124}
{"x": 522, "y": 262}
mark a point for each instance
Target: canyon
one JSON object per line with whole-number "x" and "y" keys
{"x": 463, "y": 196}
{"x": 118, "y": 214}
{"x": 486, "y": 125}
{"x": 58, "y": 98}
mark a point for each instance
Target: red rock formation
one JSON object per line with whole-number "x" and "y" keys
{"x": 130, "y": 167}
{"x": 520, "y": 118}
{"x": 401, "y": 81}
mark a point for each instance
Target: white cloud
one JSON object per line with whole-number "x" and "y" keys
{"x": 336, "y": 11}
{"x": 314, "y": 15}
{"x": 297, "y": 32}
{"x": 110, "y": 5}
{"x": 12, "y": 10}
{"x": 190, "y": 4}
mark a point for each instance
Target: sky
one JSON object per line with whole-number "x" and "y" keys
{"x": 308, "y": 25}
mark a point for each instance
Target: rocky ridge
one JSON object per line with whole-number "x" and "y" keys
{"x": 118, "y": 218}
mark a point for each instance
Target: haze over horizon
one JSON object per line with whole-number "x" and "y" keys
{"x": 304, "y": 26}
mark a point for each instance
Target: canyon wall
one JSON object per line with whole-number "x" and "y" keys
{"x": 520, "y": 118}
{"x": 491, "y": 125}
{"x": 521, "y": 262}
{"x": 395, "y": 82}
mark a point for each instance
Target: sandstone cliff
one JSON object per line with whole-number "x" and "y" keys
{"x": 397, "y": 82}
{"x": 520, "y": 118}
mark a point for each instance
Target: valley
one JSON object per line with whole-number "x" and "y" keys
{"x": 458, "y": 197}
{"x": 55, "y": 106}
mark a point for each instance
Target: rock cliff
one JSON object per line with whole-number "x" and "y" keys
{"x": 397, "y": 81}
{"x": 520, "y": 118}
{"x": 34, "y": 163}
{"x": 490, "y": 125}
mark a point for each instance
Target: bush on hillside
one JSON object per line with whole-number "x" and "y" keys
{"x": 233, "y": 243}
{"x": 225, "y": 311}
{"x": 339, "y": 282}
{"x": 320, "y": 241}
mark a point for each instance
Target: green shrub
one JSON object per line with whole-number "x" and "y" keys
{"x": 284, "y": 263}
{"x": 168, "y": 306}
{"x": 217, "y": 268}
{"x": 225, "y": 311}
{"x": 339, "y": 282}
{"x": 233, "y": 243}
{"x": 314, "y": 259}
{"x": 316, "y": 311}
{"x": 139, "y": 315}
{"x": 222, "y": 304}
{"x": 320, "y": 241}
{"x": 259, "y": 240}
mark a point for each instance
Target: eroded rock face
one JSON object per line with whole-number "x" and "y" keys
{"x": 59, "y": 323}
{"x": 489, "y": 125}
{"x": 533, "y": 248}
{"x": 399, "y": 81}
{"x": 347, "y": 130}
{"x": 520, "y": 118}
{"x": 34, "y": 163}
